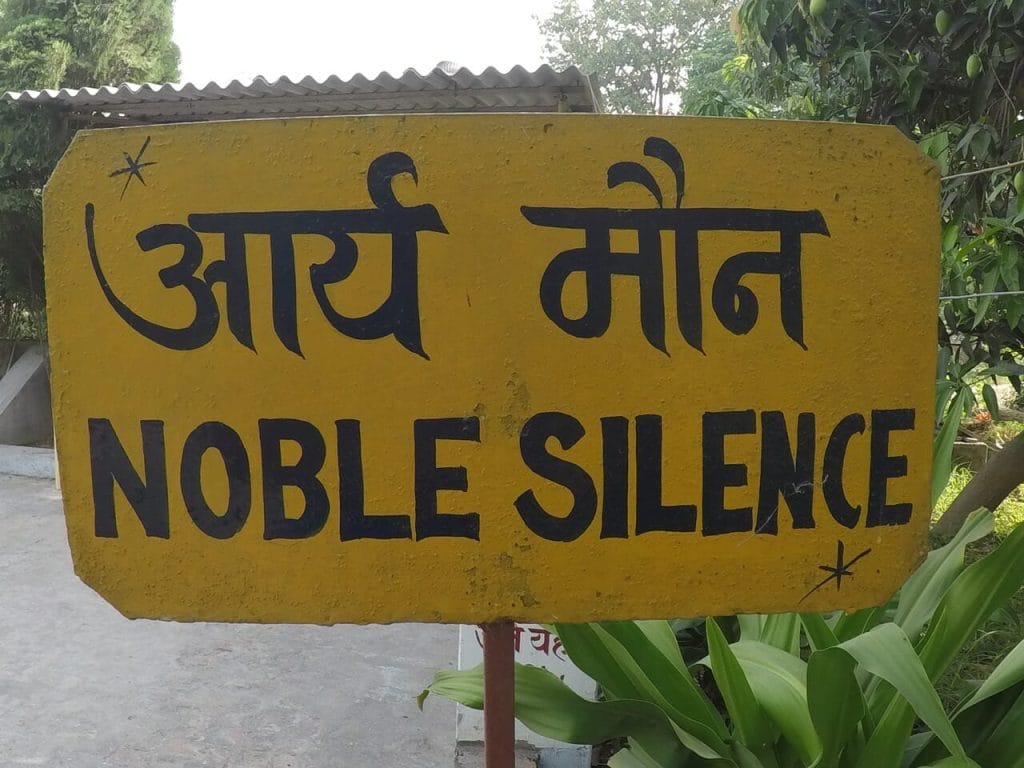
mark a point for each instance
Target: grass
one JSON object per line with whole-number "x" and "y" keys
{"x": 1008, "y": 515}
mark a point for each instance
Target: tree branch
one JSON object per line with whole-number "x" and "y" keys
{"x": 984, "y": 170}
{"x": 989, "y": 488}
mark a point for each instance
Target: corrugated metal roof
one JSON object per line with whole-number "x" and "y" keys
{"x": 444, "y": 89}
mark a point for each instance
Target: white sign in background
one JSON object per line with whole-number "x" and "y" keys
{"x": 533, "y": 645}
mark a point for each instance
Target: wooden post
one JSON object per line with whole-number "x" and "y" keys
{"x": 499, "y": 695}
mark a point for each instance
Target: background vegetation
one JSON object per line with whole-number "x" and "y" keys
{"x": 58, "y": 44}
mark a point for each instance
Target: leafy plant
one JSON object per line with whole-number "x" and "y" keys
{"x": 54, "y": 44}
{"x": 950, "y": 75}
{"x": 799, "y": 690}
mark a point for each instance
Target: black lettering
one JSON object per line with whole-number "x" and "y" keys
{"x": 219, "y": 436}
{"x": 615, "y": 493}
{"x": 110, "y": 464}
{"x": 718, "y": 475}
{"x": 431, "y": 478}
{"x": 533, "y": 448}
{"x": 179, "y": 275}
{"x": 786, "y": 472}
{"x": 301, "y": 475}
{"x": 355, "y": 524}
{"x": 832, "y": 470}
{"x": 884, "y": 467}
{"x": 651, "y": 513}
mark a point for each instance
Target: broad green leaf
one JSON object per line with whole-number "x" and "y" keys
{"x": 749, "y": 721}
{"x": 988, "y": 394}
{"x": 981, "y": 589}
{"x": 943, "y": 391}
{"x": 751, "y": 625}
{"x": 886, "y": 652}
{"x": 546, "y": 705}
{"x": 886, "y": 744}
{"x": 942, "y": 453}
{"x": 834, "y": 700}
{"x": 818, "y": 631}
{"x": 988, "y": 285}
{"x": 951, "y": 231}
{"x": 923, "y": 591}
{"x": 853, "y": 624}
{"x": 779, "y": 683}
{"x": 783, "y": 631}
{"x": 621, "y": 675}
{"x": 630, "y": 758}
{"x": 662, "y": 637}
{"x": 1009, "y": 266}
{"x": 961, "y": 762}
{"x": 1004, "y": 368}
{"x": 974, "y": 726}
{"x": 1005, "y": 745}
{"x": 1008, "y": 673}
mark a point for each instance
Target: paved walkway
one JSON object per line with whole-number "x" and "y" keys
{"x": 83, "y": 687}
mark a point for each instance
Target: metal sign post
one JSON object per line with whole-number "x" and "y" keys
{"x": 499, "y": 695}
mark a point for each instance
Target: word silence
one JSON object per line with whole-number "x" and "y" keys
{"x": 454, "y": 358}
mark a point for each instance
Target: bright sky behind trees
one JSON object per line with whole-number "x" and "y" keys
{"x": 224, "y": 40}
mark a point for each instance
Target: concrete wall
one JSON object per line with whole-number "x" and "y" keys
{"x": 25, "y": 416}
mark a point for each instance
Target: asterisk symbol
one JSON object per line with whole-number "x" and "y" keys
{"x": 837, "y": 571}
{"x": 133, "y": 167}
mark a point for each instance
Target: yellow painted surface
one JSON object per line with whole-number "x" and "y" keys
{"x": 490, "y": 355}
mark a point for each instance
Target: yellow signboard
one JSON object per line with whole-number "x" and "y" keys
{"x": 463, "y": 368}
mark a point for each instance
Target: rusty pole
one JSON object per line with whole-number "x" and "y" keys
{"x": 499, "y": 695}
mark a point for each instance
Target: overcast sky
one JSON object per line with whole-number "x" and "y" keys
{"x": 223, "y": 40}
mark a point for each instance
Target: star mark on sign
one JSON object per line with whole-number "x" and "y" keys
{"x": 133, "y": 167}
{"x": 837, "y": 571}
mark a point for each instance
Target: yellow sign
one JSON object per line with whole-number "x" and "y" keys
{"x": 461, "y": 368}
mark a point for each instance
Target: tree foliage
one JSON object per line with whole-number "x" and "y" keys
{"x": 639, "y": 50}
{"x": 52, "y": 44}
{"x": 950, "y": 75}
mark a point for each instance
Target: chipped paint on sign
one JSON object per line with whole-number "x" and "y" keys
{"x": 465, "y": 368}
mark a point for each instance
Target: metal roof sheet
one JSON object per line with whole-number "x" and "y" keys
{"x": 444, "y": 89}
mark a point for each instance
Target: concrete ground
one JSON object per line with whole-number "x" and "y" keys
{"x": 83, "y": 687}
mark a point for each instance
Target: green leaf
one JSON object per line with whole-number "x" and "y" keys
{"x": 631, "y": 758}
{"x": 783, "y": 631}
{"x": 942, "y": 451}
{"x": 751, "y": 625}
{"x": 885, "y": 746}
{"x": 988, "y": 394}
{"x": 834, "y": 699}
{"x": 662, "y": 637}
{"x": 1004, "y": 368}
{"x": 1009, "y": 266}
{"x": 923, "y": 591}
{"x": 637, "y": 670}
{"x": 1007, "y": 674}
{"x": 818, "y": 631}
{"x": 779, "y": 683}
{"x": 957, "y": 762}
{"x": 1004, "y": 747}
{"x": 853, "y": 624}
{"x": 981, "y": 589}
{"x": 988, "y": 285}
{"x": 748, "y": 720}
{"x": 943, "y": 391}
{"x": 951, "y": 232}
{"x": 886, "y": 652}
{"x": 547, "y": 706}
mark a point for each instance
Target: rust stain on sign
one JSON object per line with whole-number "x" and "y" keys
{"x": 674, "y": 390}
